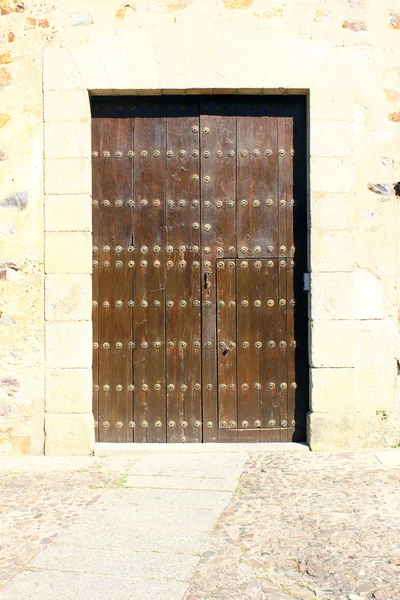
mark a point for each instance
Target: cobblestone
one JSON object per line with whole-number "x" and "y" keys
{"x": 309, "y": 527}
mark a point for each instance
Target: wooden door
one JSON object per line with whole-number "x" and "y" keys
{"x": 194, "y": 276}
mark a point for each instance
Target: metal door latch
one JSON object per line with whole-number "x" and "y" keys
{"x": 306, "y": 282}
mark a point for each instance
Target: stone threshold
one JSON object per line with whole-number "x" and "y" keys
{"x": 110, "y": 449}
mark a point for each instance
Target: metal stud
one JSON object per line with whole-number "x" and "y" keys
{"x": 106, "y": 345}
{"x": 196, "y": 344}
{"x": 196, "y": 386}
{"x": 284, "y": 423}
{"x": 270, "y": 263}
{"x": 183, "y": 387}
{"x": 293, "y": 385}
{"x": 143, "y": 153}
{"x": 95, "y": 154}
{"x": 144, "y": 424}
{"x": 131, "y": 424}
{"x": 222, "y": 387}
{"x": 292, "y": 203}
{"x": 131, "y": 387}
{"x": 195, "y": 153}
{"x": 206, "y": 130}
{"x": 170, "y": 153}
{"x": 257, "y": 386}
{"x": 118, "y": 203}
{"x": 244, "y": 303}
{"x": 182, "y": 153}
{"x": 244, "y": 203}
{"x": 171, "y": 386}
{"x": 157, "y": 344}
{"x": 231, "y": 203}
{"x": 156, "y": 263}
{"x": 223, "y": 424}
{"x": 209, "y": 387}
{"x": 170, "y": 304}
{"x": 207, "y": 304}
{"x": 221, "y": 303}
{"x": 207, "y": 179}
{"x": 131, "y": 154}
{"x": 131, "y": 345}
{"x": 282, "y": 302}
{"x": 256, "y": 203}
{"x": 106, "y": 154}
{"x": 257, "y": 249}
{"x": 182, "y": 264}
{"x": 271, "y": 344}
{"x": 232, "y": 304}
{"x": 96, "y": 388}
{"x": 197, "y": 424}
{"x": 195, "y": 225}
{"x": 282, "y": 249}
{"x": 283, "y": 386}
{"x": 293, "y": 423}
{"x": 119, "y": 388}
{"x": 183, "y": 345}
{"x": 281, "y": 153}
{"x": 95, "y": 203}
{"x": 196, "y": 303}
{"x": 210, "y": 424}
{"x": 245, "y": 423}
{"x": 270, "y": 202}
{"x": 268, "y": 153}
{"x": 183, "y": 439}
{"x": 119, "y": 264}
{"x": 271, "y": 385}
{"x": 282, "y": 344}
{"x": 245, "y": 386}
{"x": 292, "y": 152}
{"x": 207, "y": 204}
{"x": 106, "y": 424}
{"x": 258, "y": 345}
{"x": 257, "y": 423}
{"x": 171, "y": 344}
{"x": 208, "y": 345}
{"x": 106, "y": 387}
{"x": 232, "y": 345}
{"x": 271, "y": 423}
{"x": 195, "y": 129}
{"x": 244, "y": 263}
{"x": 243, "y": 153}
{"x": 195, "y": 177}
{"x": 245, "y": 344}
{"x": 219, "y": 154}
{"x": 94, "y": 304}
{"x": 119, "y": 345}
{"x": 95, "y": 345}
{"x": 157, "y": 424}
{"x": 270, "y": 302}
{"x": 171, "y": 424}
{"x": 282, "y": 202}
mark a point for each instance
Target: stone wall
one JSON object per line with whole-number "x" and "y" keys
{"x": 343, "y": 53}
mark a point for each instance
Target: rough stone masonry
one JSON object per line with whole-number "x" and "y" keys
{"x": 343, "y": 54}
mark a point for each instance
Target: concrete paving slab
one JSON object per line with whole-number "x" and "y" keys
{"x": 389, "y": 458}
{"x": 121, "y": 562}
{"x": 127, "y": 515}
{"x": 139, "y": 537}
{"x": 180, "y": 483}
{"x": 102, "y": 449}
{"x": 191, "y": 466}
{"x": 214, "y": 500}
{"x": 51, "y": 585}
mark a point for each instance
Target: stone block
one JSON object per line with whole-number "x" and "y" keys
{"x": 66, "y": 105}
{"x": 67, "y": 176}
{"x": 114, "y": 57}
{"x": 69, "y": 435}
{"x": 68, "y": 252}
{"x": 332, "y": 431}
{"x": 332, "y": 103}
{"x": 333, "y": 343}
{"x": 375, "y": 388}
{"x": 332, "y": 211}
{"x": 67, "y": 139}
{"x": 332, "y": 251}
{"x": 332, "y": 174}
{"x": 68, "y": 297}
{"x": 145, "y": 74}
{"x": 69, "y": 345}
{"x": 336, "y": 70}
{"x": 68, "y": 391}
{"x": 331, "y": 138}
{"x": 368, "y": 296}
{"x": 376, "y": 344}
{"x": 59, "y": 71}
{"x": 332, "y": 295}
{"x": 169, "y": 50}
{"x": 68, "y": 212}
{"x": 333, "y": 390}
{"x": 90, "y": 65}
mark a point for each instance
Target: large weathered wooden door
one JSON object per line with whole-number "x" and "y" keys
{"x": 193, "y": 271}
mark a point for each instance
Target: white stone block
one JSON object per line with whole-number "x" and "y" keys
{"x": 332, "y": 296}
{"x": 331, "y": 138}
{"x": 112, "y": 51}
{"x": 333, "y": 343}
{"x": 67, "y": 139}
{"x": 332, "y": 103}
{"x": 67, "y": 176}
{"x": 376, "y": 344}
{"x": 68, "y": 252}
{"x": 332, "y": 211}
{"x": 68, "y": 391}
{"x": 329, "y": 431}
{"x": 368, "y": 294}
{"x": 69, "y": 435}
{"x": 59, "y": 71}
{"x": 67, "y": 105}
{"x": 69, "y": 345}
{"x": 332, "y": 251}
{"x": 332, "y": 174}
{"x": 333, "y": 390}
{"x": 68, "y": 297}
{"x": 68, "y": 213}
{"x": 90, "y": 65}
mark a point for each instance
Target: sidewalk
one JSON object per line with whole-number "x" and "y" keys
{"x": 141, "y": 525}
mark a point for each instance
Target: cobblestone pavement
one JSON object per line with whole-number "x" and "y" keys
{"x": 40, "y": 497}
{"x": 307, "y": 527}
{"x": 299, "y": 526}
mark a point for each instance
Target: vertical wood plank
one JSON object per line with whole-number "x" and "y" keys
{"x": 282, "y": 347}
{"x": 218, "y": 240}
{"x": 96, "y": 133}
{"x": 291, "y": 344}
{"x": 141, "y": 341}
{"x": 227, "y": 343}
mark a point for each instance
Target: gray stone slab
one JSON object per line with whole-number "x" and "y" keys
{"x": 108, "y": 449}
{"x": 122, "y": 562}
{"x": 127, "y": 515}
{"x": 168, "y": 497}
{"x": 191, "y": 466}
{"x": 51, "y": 585}
{"x": 188, "y": 483}
{"x": 137, "y": 537}
{"x": 389, "y": 458}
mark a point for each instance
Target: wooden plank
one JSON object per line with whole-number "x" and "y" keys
{"x": 140, "y": 353}
{"x": 291, "y": 345}
{"x": 175, "y": 368}
{"x": 282, "y": 346}
{"x": 156, "y": 394}
{"x": 269, "y": 374}
{"x": 149, "y": 182}
{"x": 107, "y": 233}
{"x": 182, "y": 182}
{"x": 123, "y": 409}
{"x": 218, "y": 240}
{"x": 257, "y": 217}
{"x": 248, "y": 337}
{"x": 227, "y": 344}
{"x": 191, "y": 311}
{"x": 96, "y": 133}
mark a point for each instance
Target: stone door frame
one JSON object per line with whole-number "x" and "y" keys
{"x": 70, "y": 75}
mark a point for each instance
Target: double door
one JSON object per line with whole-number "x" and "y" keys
{"x": 194, "y": 272}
